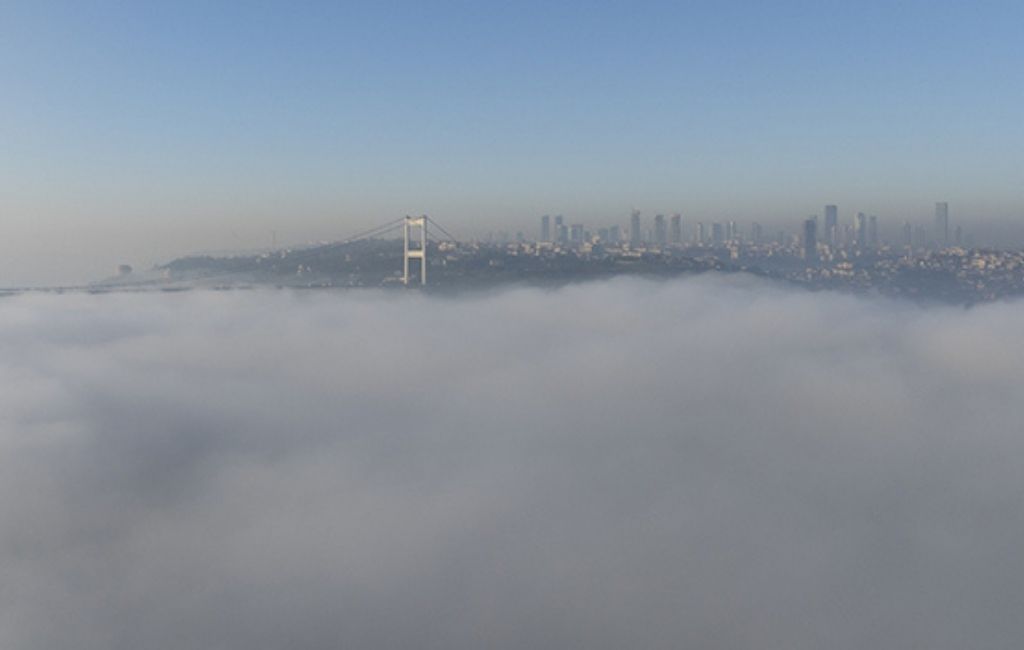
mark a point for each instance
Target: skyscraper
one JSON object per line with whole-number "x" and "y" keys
{"x": 576, "y": 233}
{"x": 677, "y": 229}
{"x": 700, "y": 235}
{"x": 718, "y": 233}
{"x": 545, "y": 228}
{"x": 634, "y": 228}
{"x": 660, "y": 234}
{"x": 908, "y": 234}
{"x": 942, "y": 224}
{"x": 831, "y": 234}
{"x": 811, "y": 240}
{"x": 755, "y": 232}
{"x": 873, "y": 231}
{"x": 862, "y": 230}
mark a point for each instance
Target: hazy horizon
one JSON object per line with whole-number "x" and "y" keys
{"x": 85, "y": 257}
{"x": 655, "y": 436}
{"x": 135, "y": 133}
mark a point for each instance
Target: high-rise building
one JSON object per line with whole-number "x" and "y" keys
{"x": 811, "y": 240}
{"x": 755, "y": 232}
{"x": 873, "y": 231}
{"x": 614, "y": 236}
{"x": 847, "y": 235}
{"x": 660, "y": 234}
{"x": 734, "y": 232}
{"x": 718, "y": 233}
{"x": 545, "y": 228}
{"x": 576, "y": 233}
{"x": 676, "y": 231}
{"x": 561, "y": 232}
{"x": 700, "y": 234}
{"x": 942, "y": 224}
{"x": 958, "y": 235}
{"x": 908, "y": 234}
{"x": 831, "y": 234}
{"x": 634, "y": 228}
{"x": 862, "y": 230}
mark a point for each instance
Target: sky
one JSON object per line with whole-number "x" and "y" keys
{"x": 138, "y": 131}
{"x": 709, "y": 462}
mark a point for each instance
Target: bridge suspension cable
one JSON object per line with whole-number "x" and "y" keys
{"x": 374, "y": 232}
{"x": 447, "y": 234}
{"x": 395, "y": 225}
{"x": 413, "y": 250}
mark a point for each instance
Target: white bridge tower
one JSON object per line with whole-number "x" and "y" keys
{"x": 416, "y": 251}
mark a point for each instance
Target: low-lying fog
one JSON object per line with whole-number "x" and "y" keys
{"x": 705, "y": 463}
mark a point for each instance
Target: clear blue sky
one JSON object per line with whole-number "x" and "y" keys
{"x": 138, "y": 131}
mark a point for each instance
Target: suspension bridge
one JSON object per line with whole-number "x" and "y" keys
{"x": 415, "y": 235}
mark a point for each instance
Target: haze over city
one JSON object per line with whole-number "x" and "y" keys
{"x": 136, "y": 133}
{"x": 459, "y": 325}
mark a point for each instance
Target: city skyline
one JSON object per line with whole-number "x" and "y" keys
{"x": 860, "y": 229}
{"x": 454, "y": 325}
{"x": 919, "y": 265}
{"x": 135, "y": 133}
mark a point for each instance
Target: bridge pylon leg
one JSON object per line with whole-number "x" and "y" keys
{"x": 415, "y": 250}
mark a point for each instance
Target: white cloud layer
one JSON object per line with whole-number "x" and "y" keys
{"x": 704, "y": 463}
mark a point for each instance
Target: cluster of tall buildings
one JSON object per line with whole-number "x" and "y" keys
{"x": 861, "y": 232}
{"x": 573, "y": 233}
{"x": 661, "y": 235}
{"x": 662, "y": 232}
{"x": 918, "y": 236}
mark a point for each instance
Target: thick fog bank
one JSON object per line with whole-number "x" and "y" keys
{"x": 705, "y": 463}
